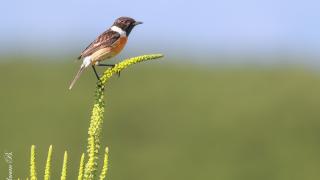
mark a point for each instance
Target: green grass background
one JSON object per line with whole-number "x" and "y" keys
{"x": 167, "y": 121}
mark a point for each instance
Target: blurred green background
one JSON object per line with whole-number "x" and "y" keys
{"x": 237, "y": 96}
{"x": 167, "y": 121}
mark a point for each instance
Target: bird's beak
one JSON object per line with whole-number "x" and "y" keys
{"x": 138, "y": 22}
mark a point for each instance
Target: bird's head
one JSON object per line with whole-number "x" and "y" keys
{"x": 126, "y": 24}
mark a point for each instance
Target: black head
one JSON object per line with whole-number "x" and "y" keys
{"x": 126, "y": 24}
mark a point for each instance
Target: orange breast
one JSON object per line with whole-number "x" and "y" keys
{"x": 118, "y": 46}
{"x": 109, "y": 52}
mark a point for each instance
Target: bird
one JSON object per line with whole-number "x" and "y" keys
{"x": 106, "y": 45}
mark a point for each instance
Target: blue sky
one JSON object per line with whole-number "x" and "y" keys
{"x": 194, "y": 27}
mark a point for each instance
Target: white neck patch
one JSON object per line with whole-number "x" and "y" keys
{"x": 118, "y": 30}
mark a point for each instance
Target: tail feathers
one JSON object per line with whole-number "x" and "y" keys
{"x": 77, "y": 76}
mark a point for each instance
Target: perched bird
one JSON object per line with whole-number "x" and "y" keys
{"x": 106, "y": 46}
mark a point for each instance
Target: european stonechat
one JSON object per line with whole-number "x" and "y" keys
{"x": 106, "y": 45}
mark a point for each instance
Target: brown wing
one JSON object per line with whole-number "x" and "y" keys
{"x": 106, "y": 39}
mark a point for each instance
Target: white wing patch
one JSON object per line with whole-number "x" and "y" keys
{"x": 86, "y": 61}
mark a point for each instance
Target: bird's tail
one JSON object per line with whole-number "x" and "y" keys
{"x": 77, "y": 76}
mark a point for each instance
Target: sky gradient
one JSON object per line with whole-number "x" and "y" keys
{"x": 192, "y": 27}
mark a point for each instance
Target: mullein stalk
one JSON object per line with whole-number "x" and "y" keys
{"x": 80, "y": 174}
{"x": 98, "y": 111}
{"x": 33, "y": 173}
{"x": 47, "y": 171}
{"x": 105, "y": 165}
{"x": 64, "y": 166}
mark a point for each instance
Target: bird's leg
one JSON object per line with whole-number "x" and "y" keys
{"x": 95, "y": 72}
{"x": 109, "y": 65}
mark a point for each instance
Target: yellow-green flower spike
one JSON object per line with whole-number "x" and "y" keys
{"x": 124, "y": 64}
{"x": 105, "y": 165}
{"x": 48, "y": 164}
{"x": 80, "y": 174}
{"x": 64, "y": 166}
{"x": 33, "y": 173}
{"x": 91, "y": 164}
{"x": 96, "y": 120}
